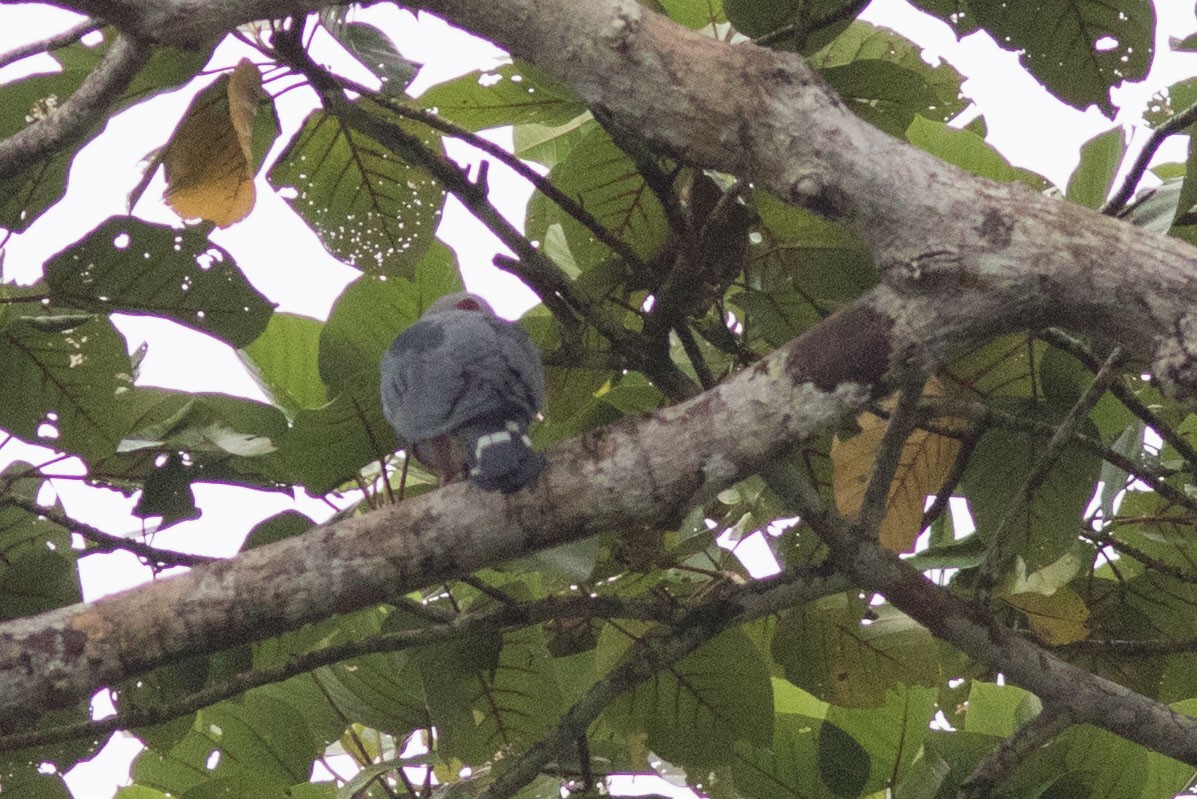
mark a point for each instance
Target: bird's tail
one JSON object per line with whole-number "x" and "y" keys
{"x": 501, "y": 457}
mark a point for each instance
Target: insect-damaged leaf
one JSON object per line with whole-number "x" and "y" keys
{"x": 134, "y": 267}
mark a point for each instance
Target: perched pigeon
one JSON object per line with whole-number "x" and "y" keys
{"x": 460, "y": 386}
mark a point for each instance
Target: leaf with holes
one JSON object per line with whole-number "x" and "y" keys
{"x": 510, "y": 95}
{"x": 135, "y": 267}
{"x": 369, "y": 208}
{"x": 59, "y": 387}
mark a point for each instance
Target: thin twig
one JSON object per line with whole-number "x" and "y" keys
{"x": 1000, "y": 551}
{"x": 1158, "y": 136}
{"x": 107, "y": 542}
{"x": 959, "y": 467}
{"x": 96, "y": 96}
{"x": 889, "y": 455}
{"x": 55, "y": 42}
{"x": 1061, "y": 340}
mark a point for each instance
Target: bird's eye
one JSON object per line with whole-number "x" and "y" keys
{"x": 469, "y": 304}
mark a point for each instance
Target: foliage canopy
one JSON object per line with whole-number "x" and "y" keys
{"x": 660, "y": 280}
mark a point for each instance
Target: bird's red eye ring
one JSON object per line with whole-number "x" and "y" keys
{"x": 469, "y": 304}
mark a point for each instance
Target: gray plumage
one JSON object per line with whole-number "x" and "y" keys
{"x": 460, "y": 387}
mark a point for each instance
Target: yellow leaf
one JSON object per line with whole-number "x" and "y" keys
{"x": 209, "y": 160}
{"x": 1060, "y": 618}
{"x": 924, "y": 464}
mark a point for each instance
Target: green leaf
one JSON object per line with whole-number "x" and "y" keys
{"x": 328, "y": 446}
{"x": 1043, "y": 529}
{"x": 379, "y": 691}
{"x": 863, "y": 41}
{"x": 370, "y": 312}
{"x": 695, "y": 710}
{"x": 1078, "y": 49}
{"x": 286, "y": 524}
{"x": 512, "y": 94}
{"x": 135, "y": 267}
{"x": 66, "y": 381}
{"x": 369, "y": 208}
{"x": 167, "y": 493}
{"x": 256, "y": 740}
{"x": 843, "y": 763}
{"x": 883, "y": 93}
{"x": 694, "y": 13}
{"x": 968, "y": 151}
{"x": 826, "y": 650}
{"x": 601, "y": 177}
{"x": 1093, "y": 178}
{"x": 284, "y": 362}
{"x": 377, "y": 53}
{"x": 550, "y": 145}
{"x": 892, "y": 734}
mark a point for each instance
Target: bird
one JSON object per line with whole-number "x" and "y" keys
{"x": 460, "y": 386}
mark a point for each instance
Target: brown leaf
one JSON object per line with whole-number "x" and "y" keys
{"x": 209, "y": 160}
{"x": 924, "y": 464}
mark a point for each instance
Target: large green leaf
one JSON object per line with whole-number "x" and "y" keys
{"x": 512, "y": 94}
{"x": 59, "y": 386}
{"x": 257, "y": 744}
{"x": 603, "y": 179}
{"x": 372, "y": 311}
{"x": 136, "y": 267}
{"x": 329, "y": 446}
{"x": 283, "y": 361}
{"x": 865, "y": 42}
{"x": 696, "y": 709}
{"x": 1078, "y": 49}
{"x": 369, "y": 208}
{"x": 827, "y": 650}
{"x": 1043, "y": 529}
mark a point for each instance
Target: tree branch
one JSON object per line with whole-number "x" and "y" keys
{"x": 107, "y": 542}
{"x": 88, "y": 106}
{"x": 1014, "y": 750}
{"x": 1064, "y": 689}
{"x": 69, "y": 36}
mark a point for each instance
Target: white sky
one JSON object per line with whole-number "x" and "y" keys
{"x": 287, "y": 263}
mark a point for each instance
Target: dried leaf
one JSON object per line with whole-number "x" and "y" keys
{"x": 209, "y": 161}
{"x": 924, "y": 464}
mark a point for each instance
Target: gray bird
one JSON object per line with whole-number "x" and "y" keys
{"x": 460, "y": 387}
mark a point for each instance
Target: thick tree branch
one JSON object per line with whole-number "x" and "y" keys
{"x": 639, "y": 473}
{"x": 88, "y": 106}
